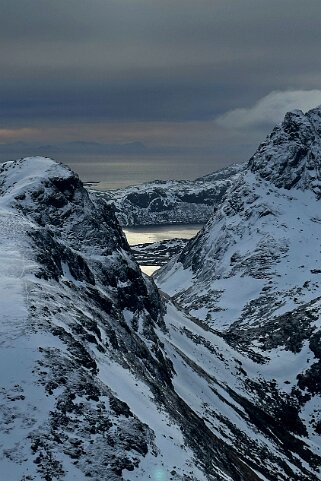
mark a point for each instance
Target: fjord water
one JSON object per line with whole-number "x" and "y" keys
{"x": 157, "y": 233}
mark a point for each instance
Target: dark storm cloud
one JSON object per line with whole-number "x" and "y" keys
{"x": 146, "y": 60}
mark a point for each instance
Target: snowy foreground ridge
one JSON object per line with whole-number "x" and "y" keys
{"x": 214, "y": 377}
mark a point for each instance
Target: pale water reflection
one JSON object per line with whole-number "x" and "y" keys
{"x": 149, "y": 270}
{"x": 151, "y": 234}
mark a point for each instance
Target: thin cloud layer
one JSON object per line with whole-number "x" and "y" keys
{"x": 270, "y": 109}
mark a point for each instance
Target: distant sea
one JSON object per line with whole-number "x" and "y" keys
{"x": 116, "y": 173}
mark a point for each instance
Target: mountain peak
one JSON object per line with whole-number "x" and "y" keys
{"x": 18, "y": 175}
{"x": 290, "y": 157}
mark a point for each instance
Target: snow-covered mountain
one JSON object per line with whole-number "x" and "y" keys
{"x": 69, "y": 289}
{"x": 86, "y": 383}
{"x": 104, "y": 378}
{"x": 172, "y": 201}
{"x": 253, "y": 273}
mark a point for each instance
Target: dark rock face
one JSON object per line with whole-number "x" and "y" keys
{"x": 158, "y": 253}
{"x": 98, "y": 437}
{"x": 290, "y": 156}
{"x": 65, "y": 236}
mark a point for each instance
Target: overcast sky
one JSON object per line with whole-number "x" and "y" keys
{"x": 195, "y": 84}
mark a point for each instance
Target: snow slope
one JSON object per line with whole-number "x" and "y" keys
{"x": 247, "y": 404}
{"x": 259, "y": 253}
{"x": 253, "y": 275}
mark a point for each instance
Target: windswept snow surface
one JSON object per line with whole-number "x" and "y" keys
{"x": 170, "y": 452}
{"x": 224, "y": 387}
{"x": 18, "y": 352}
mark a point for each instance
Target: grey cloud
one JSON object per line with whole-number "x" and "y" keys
{"x": 270, "y": 110}
{"x": 139, "y": 32}
{"x": 90, "y": 61}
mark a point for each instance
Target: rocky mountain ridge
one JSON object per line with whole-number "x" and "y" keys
{"x": 76, "y": 299}
{"x": 290, "y": 156}
{"x": 172, "y": 201}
